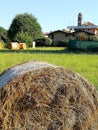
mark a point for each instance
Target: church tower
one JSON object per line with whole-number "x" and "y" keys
{"x": 79, "y": 19}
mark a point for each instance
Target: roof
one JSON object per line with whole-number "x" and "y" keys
{"x": 87, "y": 25}
{"x": 57, "y": 31}
{"x": 79, "y": 31}
{"x": 83, "y": 27}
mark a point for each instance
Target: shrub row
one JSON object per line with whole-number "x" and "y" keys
{"x": 44, "y": 41}
{"x": 83, "y": 45}
{"x": 60, "y": 43}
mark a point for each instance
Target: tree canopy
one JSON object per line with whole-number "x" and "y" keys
{"x": 24, "y": 24}
{"x": 3, "y": 35}
{"x": 2, "y": 30}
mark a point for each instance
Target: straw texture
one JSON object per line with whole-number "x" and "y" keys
{"x": 47, "y": 97}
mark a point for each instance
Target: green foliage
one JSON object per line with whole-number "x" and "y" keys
{"x": 44, "y": 41}
{"x": 93, "y": 38}
{"x": 3, "y": 30}
{"x": 48, "y": 41}
{"x": 3, "y": 35}
{"x": 25, "y": 23}
{"x": 83, "y": 45}
{"x": 82, "y": 36}
{"x": 2, "y": 44}
{"x": 67, "y": 40}
{"x": 63, "y": 43}
{"x": 60, "y": 43}
{"x": 64, "y": 30}
{"x": 24, "y": 37}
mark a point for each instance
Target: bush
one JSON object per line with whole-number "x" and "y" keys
{"x": 2, "y": 44}
{"x": 83, "y": 45}
{"x": 93, "y": 38}
{"x": 48, "y": 41}
{"x": 24, "y": 37}
{"x": 44, "y": 41}
{"x": 60, "y": 43}
{"x": 82, "y": 36}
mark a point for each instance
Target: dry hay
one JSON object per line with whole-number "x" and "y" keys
{"x": 22, "y": 45}
{"x": 13, "y": 45}
{"x": 40, "y": 96}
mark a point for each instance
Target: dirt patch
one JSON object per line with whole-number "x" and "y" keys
{"x": 47, "y": 98}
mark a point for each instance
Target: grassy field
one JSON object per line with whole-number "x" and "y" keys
{"x": 82, "y": 63}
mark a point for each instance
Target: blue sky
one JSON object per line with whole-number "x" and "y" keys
{"x": 51, "y": 14}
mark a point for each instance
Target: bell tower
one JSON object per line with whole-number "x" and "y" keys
{"x": 79, "y": 19}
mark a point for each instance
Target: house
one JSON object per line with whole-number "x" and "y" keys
{"x": 81, "y": 35}
{"x": 58, "y": 35}
{"x": 77, "y": 32}
{"x": 88, "y": 26}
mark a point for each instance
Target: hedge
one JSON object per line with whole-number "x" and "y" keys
{"x": 83, "y": 45}
{"x": 60, "y": 43}
{"x": 44, "y": 41}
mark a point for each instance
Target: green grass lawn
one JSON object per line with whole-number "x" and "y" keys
{"x": 82, "y": 63}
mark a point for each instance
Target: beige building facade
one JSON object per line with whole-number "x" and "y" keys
{"x": 58, "y": 35}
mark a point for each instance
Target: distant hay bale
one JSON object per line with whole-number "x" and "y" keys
{"x": 22, "y": 45}
{"x": 41, "y": 96}
{"x": 13, "y": 46}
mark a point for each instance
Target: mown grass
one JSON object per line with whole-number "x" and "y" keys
{"x": 82, "y": 63}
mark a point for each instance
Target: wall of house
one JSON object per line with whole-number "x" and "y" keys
{"x": 94, "y": 31}
{"x": 57, "y": 36}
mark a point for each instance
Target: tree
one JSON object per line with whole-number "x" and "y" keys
{"x": 82, "y": 36}
{"x": 64, "y": 30}
{"x": 24, "y": 37}
{"x": 2, "y": 30}
{"x": 24, "y": 23}
{"x": 3, "y": 35}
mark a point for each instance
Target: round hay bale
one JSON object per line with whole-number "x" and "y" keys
{"x": 22, "y": 45}
{"x": 13, "y": 46}
{"x": 41, "y": 96}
